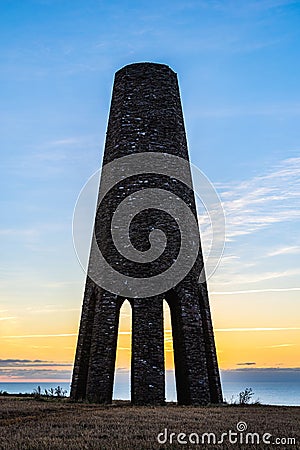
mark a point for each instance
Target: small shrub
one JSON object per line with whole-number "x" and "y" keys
{"x": 3, "y": 393}
{"x": 245, "y": 396}
{"x": 37, "y": 392}
{"x": 51, "y": 392}
{"x": 59, "y": 392}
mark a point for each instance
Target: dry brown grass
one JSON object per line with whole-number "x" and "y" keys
{"x": 36, "y": 425}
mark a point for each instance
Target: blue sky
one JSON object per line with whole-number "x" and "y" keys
{"x": 238, "y": 64}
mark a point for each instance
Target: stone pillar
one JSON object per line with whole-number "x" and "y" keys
{"x": 82, "y": 357}
{"x": 100, "y": 378}
{"x": 93, "y": 374}
{"x": 215, "y": 388}
{"x": 147, "y": 360}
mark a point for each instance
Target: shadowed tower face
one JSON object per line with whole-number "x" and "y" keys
{"x": 146, "y": 248}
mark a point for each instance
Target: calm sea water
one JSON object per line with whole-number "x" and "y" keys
{"x": 267, "y": 392}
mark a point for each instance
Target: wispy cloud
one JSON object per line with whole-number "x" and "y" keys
{"x": 233, "y": 330}
{"x": 263, "y": 5}
{"x": 244, "y": 277}
{"x": 58, "y": 150}
{"x": 50, "y": 309}
{"x": 251, "y": 207}
{"x": 65, "y": 141}
{"x": 252, "y": 7}
{"x": 33, "y": 336}
{"x": 246, "y": 364}
{"x": 285, "y": 251}
{"x": 36, "y": 369}
{"x": 54, "y": 157}
{"x": 59, "y": 285}
{"x": 254, "y": 373}
{"x": 255, "y": 291}
{"x": 15, "y": 374}
{"x": 254, "y": 210}
{"x": 250, "y": 110}
{"x": 34, "y": 237}
{"x": 262, "y": 201}
{"x": 31, "y": 363}
{"x": 279, "y": 345}
{"x": 17, "y": 232}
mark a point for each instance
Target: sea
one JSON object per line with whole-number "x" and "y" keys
{"x": 268, "y": 392}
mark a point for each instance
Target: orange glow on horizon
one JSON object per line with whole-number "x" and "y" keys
{"x": 241, "y": 340}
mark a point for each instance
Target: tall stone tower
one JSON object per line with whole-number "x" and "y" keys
{"x": 146, "y": 168}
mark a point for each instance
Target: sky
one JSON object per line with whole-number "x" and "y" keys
{"x": 238, "y": 65}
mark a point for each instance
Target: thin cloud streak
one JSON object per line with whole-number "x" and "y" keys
{"x": 254, "y": 291}
{"x": 246, "y": 364}
{"x": 235, "y": 329}
{"x": 285, "y": 251}
{"x": 242, "y": 278}
{"x": 27, "y": 363}
{"x": 279, "y": 345}
{"x": 263, "y": 110}
{"x": 255, "y": 329}
{"x": 24, "y": 336}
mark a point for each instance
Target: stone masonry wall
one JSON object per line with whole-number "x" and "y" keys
{"x": 146, "y": 116}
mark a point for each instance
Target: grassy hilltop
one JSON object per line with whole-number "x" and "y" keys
{"x": 26, "y": 423}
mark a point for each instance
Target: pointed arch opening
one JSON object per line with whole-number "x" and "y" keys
{"x": 121, "y": 389}
{"x": 171, "y": 393}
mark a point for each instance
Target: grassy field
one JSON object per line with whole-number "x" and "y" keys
{"x": 26, "y": 423}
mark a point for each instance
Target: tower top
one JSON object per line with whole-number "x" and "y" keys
{"x": 144, "y": 66}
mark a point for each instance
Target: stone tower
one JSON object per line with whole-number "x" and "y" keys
{"x": 146, "y": 121}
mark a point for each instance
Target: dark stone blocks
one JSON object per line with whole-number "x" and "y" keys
{"x": 146, "y": 116}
